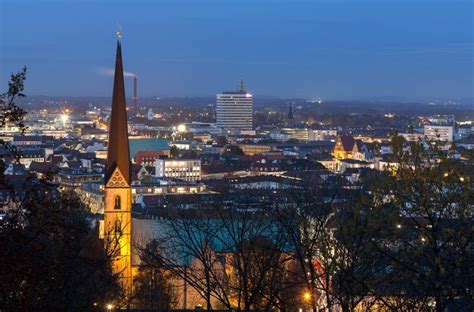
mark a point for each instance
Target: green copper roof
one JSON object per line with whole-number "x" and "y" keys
{"x": 147, "y": 145}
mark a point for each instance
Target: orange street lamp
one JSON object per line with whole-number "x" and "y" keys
{"x": 307, "y": 296}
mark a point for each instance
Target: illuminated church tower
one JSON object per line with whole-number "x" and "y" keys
{"x": 118, "y": 194}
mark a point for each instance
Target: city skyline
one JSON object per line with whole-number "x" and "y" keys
{"x": 235, "y": 202}
{"x": 333, "y": 50}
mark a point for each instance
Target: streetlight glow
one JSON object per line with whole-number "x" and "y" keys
{"x": 64, "y": 118}
{"x": 307, "y": 296}
{"x": 181, "y": 128}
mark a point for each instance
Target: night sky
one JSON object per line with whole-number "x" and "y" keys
{"x": 332, "y": 49}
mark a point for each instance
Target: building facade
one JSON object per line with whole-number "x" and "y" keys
{"x": 439, "y": 133}
{"x": 184, "y": 169}
{"x": 234, "y": 110}
{"x": 117, "y": 226}
{"x": 346, "y": 147}
{"x": 255, "y": 149}
{"x": 148, "y": 158}
{"x": 321, "y": 135}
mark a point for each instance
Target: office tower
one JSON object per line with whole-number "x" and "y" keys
{"x": 234, "y": 110}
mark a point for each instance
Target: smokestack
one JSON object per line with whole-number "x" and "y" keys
{"x": 135, "y": 95}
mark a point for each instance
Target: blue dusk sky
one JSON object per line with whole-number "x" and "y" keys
{"x": 334, "y": 49}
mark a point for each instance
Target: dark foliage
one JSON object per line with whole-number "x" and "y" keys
{"x": 51, "y": 256}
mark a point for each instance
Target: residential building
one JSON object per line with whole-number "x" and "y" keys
{"x": 75, "y": 177}
{"x": 148, "y": 158}
{"x": 25, "y": 140}
{"x": 411, "y": 137}
{"x": 254, "y": 149}
{"x": 27, "y": 156}
{"x": 321, "y": 135}
{"x": 439, "y": 133}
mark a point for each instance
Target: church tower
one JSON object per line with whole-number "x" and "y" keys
{"x": 118, "y": 193}
{"x": 290, "y": 119}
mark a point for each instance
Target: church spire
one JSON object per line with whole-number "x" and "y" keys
{"x": 290, "y": 119}
{"x": 118, "y": 150}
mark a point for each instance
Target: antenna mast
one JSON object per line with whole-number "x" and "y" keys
{"x": 119, "y": 31}
{"x": 241, "y": 86}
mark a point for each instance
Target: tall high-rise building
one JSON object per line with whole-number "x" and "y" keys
{"x": 117, "y": 229}
{"x": 234, "y": 110}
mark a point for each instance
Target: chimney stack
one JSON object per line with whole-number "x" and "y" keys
{"x": 135, "y": 94}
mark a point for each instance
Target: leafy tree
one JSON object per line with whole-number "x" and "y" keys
{"x": 11, "y": 114}
{"x": 232, "y": 259}
{"x": 51, "y": 256}
{"x": 256, "y": 256}
{"x": 429, "y": 242}
{"x": 174, "y": 152}
{"x": 330, "y": 243}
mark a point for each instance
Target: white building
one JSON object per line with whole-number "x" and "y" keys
{"x": 234, "y": 110}
{"x": 321, "y": 135}
{"x": 200, "y": 127}
{"x": 290, "y": 133}
{"x": 184, "y": 169}
{"x": 150, "y": 115}
{"x": 30, "y": 155}
{"x": 439, "y": 133}
{"x": 412, "y": 137}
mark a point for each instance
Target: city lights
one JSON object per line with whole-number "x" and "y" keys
{"x": 210, "y": 197}
{"x": 181, "y": 128}
{"x": 307, "y": 296}
{"x": 64, "y": 118}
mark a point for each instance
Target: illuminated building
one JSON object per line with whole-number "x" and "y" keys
{"x": 321, "y": 135}
{"x": 439, "y": 133}
{"x": 75, "y": 177}
{"x": 234, "y": 110}
{"x": 290, "y": 133}
{"x": 184, "y": 169}
{"x": 28, "y": 156}
{"x": 347, "y": 147}
{"x": 255, "y": 149}
{"x": 117, "y": 227}
{"x": 22, "y": 140}
{"x": 148, "y": 158}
